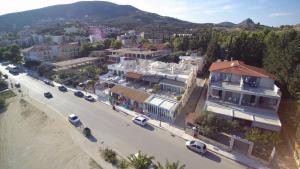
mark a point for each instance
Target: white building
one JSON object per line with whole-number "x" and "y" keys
{"x": 161, "y": 107}
{"x": 194, "y": 60}
{"x": 244, "y": 92}
{"x": 45, "y": 53}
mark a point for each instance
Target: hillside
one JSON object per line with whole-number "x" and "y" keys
{"x": 90, "y": 11}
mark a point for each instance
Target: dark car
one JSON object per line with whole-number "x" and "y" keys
{"x": 5, "y": 76}
{"x": 48, "y": 95}
{"x": 78, "y": 94}
{"x": 62, "y": 88}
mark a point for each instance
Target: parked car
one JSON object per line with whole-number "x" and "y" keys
{"x": 62, "y": 88}
{"x": 90, "y": 98}
{"x": 78, "y": 94}
{"x": 5, "y": 76}
{"x": 87, "y": 132}
{"x": 196, "y": 146}
{"x": 74, "y": 119}
{"x": 48, "y": 82}
{"x": 140, "y": 120}
{"x": 17, "y": 85}
{"x": 48, "y": 95}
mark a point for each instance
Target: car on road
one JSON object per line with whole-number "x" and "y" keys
{"x": 78, "y": 94}
{"x": 62, "y": 88}
{"x": 48, "y": 82}
{"x": 17, "y": 85}
{"x": 74, "y": 119}
{"x": 5, "y": 76}
{"x": 196, "y": 146}
{"x": 48, "y": 95}
{"x": 90, "y": 98}
{"x": 140, "y": 120}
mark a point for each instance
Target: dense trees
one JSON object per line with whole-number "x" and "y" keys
{"x": 282, "y": 58}
{"x": 11, "y": 53}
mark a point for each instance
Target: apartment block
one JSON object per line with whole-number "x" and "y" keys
{"x": 246, "y": 93}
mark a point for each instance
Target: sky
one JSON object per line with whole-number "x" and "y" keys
{"x": 267, "y": 12}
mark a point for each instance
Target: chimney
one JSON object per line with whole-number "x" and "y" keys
{"x": 231, "y": 58}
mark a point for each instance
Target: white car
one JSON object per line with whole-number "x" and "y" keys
{"x": 196, "y": 146}
{"x": 140, "y": 120}
{"x": 74, "y": 119}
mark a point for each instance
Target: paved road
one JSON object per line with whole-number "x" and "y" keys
{"x": 118, "y": 132}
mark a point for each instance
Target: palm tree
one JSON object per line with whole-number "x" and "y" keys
{"x": 169, "y": 165}
{"x": 140, "y": 161}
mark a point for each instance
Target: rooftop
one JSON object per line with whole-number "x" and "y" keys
{"x": 72, "y": 62}
{"x": 132, "y": 51}
{"x": 162, "y": 102}
{"x": 239, "y": 68}
{"x": 133, "y": 94}
{"x": 180, "y": 71}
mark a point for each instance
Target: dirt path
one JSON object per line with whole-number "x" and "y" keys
{"x": 29, "y": 138}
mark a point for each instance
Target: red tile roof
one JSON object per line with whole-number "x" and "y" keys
{"x": 239, "y": 68}
{"x": 134, "y": 75}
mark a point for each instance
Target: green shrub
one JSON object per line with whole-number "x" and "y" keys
{"x": 123, "y": 164}
{"x": 110, "y": 156}
{"x": 179, "y": 98}
{"x": 2, "y": 103}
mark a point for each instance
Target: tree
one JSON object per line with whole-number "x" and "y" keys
{"x": 109, "y": 155}
{"x": 15, "y": 54}
{"x": 107, "y": 43}
{"x": 116, "y": 44}
{"x": 2, "y": 103}
{"x": 168, "y": 165}
{"x": 213, "y": 53}
{"x": 140, "y": 161}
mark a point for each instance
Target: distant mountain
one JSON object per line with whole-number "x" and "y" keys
{"x": 225, "y": 24}
{"x": 247, "y": 23}
{"x": 124, "y": 16}
{"x": 105, "y": 13}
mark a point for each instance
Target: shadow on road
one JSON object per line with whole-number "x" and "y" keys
{"x": 92, "y": 138}
{"x": 212, "y": 157}
{"x": 149, "y": 127}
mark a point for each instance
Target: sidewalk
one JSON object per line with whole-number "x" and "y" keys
{"x": 181, "y": 133}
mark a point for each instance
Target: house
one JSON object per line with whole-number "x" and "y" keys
{"x": 175, "y": 83}
{"x": 194, "y": 60}
{"x": 74, "y": 65}
{"x": 44, "y": 53}
{"x": 69, "y": 50}
{"x": 129, "y": 98}
{"x": 136, "y": 53}
{"x": 243, "y": 92}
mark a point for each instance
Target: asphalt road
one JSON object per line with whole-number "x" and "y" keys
{"x": 116, "y": 130}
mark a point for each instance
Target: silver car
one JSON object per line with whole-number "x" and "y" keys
{"x": 196, "y": 146}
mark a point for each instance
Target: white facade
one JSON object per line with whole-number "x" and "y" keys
{"x": 194, "y": 60}
{"x": 161, "y": 108}
{"x": 250, "y": 98}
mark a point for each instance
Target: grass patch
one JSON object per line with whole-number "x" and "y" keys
{"x": 7, "y": 94}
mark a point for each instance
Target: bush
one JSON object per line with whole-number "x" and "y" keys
{"x": 179, "y": 98}
{"x": 123, "y": 164}
{"x": 156, "y": 87}
{"x": 2, "y": 103}
{"x": 110, "y": 156}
